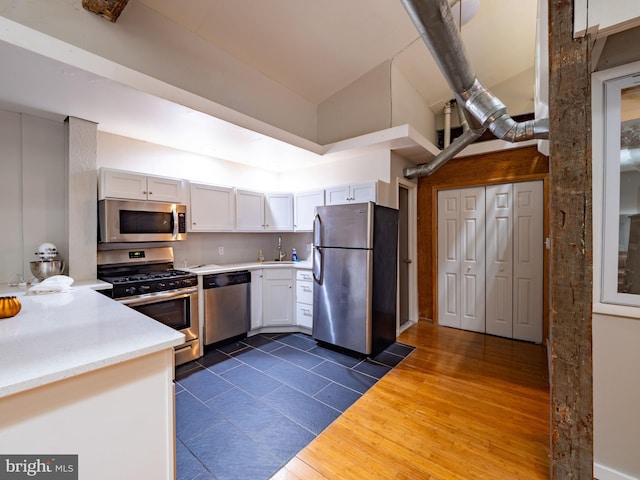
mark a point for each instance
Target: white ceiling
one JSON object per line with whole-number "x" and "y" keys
{"x": 313, "y": 48}
{"x": 316, "y": 48}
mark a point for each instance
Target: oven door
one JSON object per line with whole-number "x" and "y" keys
{"x": 177, "y": 309}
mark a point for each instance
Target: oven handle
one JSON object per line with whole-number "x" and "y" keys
{"x": 176, "y": 224}
{"x": 155, "y": 297}
{"x": 182, "y": 348}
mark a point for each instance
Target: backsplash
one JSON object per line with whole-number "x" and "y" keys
{"x": 203, "y": 248}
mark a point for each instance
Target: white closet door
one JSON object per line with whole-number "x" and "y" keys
{"x": 528, "y": 251}
{"x": 449, "y": 258}
{"x": 461, "y": 258}
{"x": 472, "y": 253}
{"x": 499, "y": 280}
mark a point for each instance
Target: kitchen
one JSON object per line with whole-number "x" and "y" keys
{"x": 201, "y": 247}
{"x": 37, "y": 163}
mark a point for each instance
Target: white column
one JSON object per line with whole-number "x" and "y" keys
{"x": 82, "y": 219}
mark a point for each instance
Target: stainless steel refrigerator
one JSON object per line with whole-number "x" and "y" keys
{"x": 355, "y": 276}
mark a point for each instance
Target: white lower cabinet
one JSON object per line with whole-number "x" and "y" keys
{"x": 304, "y": 299}
{"x": 277, "y": 305}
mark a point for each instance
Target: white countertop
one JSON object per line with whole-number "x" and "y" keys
{"x": 60, "y": 335}
{"x": 232, "y": 267}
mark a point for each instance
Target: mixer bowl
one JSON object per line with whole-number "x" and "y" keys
{"x": 42, "y": 269}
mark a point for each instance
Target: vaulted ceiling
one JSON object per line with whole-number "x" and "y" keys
{"x": 317, "y": 48}
{"x": 65, "y": 62}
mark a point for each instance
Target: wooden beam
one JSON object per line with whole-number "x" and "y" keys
{"x": 571, "y": 246}
{"x": 109, "y": 9}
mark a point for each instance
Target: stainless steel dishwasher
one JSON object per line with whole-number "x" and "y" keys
{"x": 227, "y": 305}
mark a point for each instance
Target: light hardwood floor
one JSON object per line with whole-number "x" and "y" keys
{"x": 461, "y": 406}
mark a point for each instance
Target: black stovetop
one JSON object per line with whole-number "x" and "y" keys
{"x": 129, "y": 281}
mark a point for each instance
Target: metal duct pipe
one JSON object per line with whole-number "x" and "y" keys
{"x": 447, "y": 124}
{"x": 462, "y": 117}
{"x": 435, "y": 23}
{"x": 447, "y": 154}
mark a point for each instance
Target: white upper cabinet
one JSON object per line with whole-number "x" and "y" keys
{"x": 249, "y": 211}
{"x": 135, "y": 186}
{"x": 279, "y": 212}
{"x": 356, "y": 193}
{"x": 212, "y": 208}
{"x": 305, "y": 209}
{"x": 259, "y": 212}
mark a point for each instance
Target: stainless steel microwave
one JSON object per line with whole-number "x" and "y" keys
{"x": 136, "y": 221}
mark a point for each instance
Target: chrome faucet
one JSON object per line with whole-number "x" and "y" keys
{"x": 281, "y": 254}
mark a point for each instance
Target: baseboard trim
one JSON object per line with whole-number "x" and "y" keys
{"x": 605, "y": 473}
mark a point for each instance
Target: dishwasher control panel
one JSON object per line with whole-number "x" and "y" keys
{"x": 217, "y": 280}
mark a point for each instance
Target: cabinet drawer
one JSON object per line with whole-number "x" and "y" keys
{"x": 278, "y": 274}
{"x": 304, "y": 292}
{"x": 304, "y": 315}
{"x": 304, "y": 275}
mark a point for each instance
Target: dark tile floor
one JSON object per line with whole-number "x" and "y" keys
{"x": 244, "y": 409}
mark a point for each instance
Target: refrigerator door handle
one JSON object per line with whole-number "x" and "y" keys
{"x": 318, "y": 267}
{"x": 317, "y": 230}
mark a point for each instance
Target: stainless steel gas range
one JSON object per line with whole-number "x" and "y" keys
{"x": 144, "y": 279}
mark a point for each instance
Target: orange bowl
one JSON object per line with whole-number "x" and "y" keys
{"x": 9, "y": 306}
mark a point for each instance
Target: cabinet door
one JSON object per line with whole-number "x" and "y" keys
{"x": 337, "y": 195}
{"x": 278, "y": 298}
{"x": 279, "y": 212}
{"x": 164, "y": 189}
{"x": 249, "y": 211}
{"x": 127, "y": 185}
{"x": 363, "y": 192}
{"x": 212, "y": 208}
{"x": 256, "y": 298}
{"x": 305, "y": 210}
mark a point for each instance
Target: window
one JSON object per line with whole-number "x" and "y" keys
{"x": 621, "y": 195}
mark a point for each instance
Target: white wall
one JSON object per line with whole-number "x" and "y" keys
{"x": 32, "y": 190}
{"x": 149, "y": 43}
{"x": 129, "y": 154}
{"x": 408, "y": 107}
{"x": 616, "y": 396}
{"x": 124, "y": 153}
{"x": 616, "y": 335}
{"x": 362, "y": 107}
{"x": 358, "y": 167}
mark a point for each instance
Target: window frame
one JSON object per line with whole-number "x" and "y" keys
{"x": 607, "y": 86}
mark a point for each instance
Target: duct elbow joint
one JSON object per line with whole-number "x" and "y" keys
{"x": 506, "y": 128}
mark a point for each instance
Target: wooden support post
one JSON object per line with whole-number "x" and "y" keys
{"x": 571, "y": 252}
{"x": 109, "y": 9}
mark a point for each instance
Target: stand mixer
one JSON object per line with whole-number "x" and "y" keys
{"x": 47, "y": 266}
